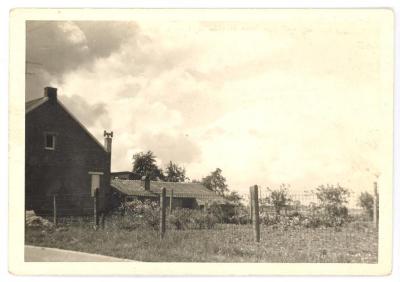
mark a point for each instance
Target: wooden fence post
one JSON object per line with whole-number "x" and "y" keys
{"x": 256, "y": 215}
{"x": 123, "y": 205}
{"x": 251, "y": 205}
{"x": 162, "y": 211}
{"x": 54, "y": 210}
{"x": 171, "y": 198}
{"x": 95, "y": 214}
{"x": 375, "y": 208}
{"x": 102, "y": 220}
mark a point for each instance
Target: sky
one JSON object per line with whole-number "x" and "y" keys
{"x": 286, "y": 99}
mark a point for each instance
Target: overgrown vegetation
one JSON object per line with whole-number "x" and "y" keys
{"x": 351, "y": 244}
{"x": 279, "y": 198}
{"x": 146, "y": 215}
{"x": 331, "y": 210}
{"x": 182, "y": 219}
{"x": 290, "y": 231}
{"x": 366, "y": 201}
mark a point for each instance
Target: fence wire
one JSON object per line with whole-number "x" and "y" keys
{"x": 296, "y": 231}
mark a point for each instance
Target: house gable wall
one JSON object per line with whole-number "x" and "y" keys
{"x": 64, "y": 170}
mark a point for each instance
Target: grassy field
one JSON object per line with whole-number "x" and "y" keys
{"x": 355, "y": 243}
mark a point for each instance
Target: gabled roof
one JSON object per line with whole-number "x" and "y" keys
{"x": 33, "y": 104}
{"x": 181, "y": 189}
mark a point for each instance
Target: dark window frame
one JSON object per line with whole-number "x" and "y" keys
{"x": 54, "y": 138}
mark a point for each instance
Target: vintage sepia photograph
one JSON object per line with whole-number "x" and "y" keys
{"x": 209, "y": 136}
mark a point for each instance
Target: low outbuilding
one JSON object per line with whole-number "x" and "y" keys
{"x": 184, "y": 194}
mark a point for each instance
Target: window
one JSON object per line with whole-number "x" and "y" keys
{"x": 49, "y": 141}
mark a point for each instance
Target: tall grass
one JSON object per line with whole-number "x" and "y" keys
{"x": 224, "y": 243}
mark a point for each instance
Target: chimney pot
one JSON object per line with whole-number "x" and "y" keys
{"x": 108, "y": 140}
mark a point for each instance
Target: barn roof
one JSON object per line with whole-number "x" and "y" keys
{"x": 181, "y": 189}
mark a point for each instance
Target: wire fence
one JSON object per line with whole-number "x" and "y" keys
{"x": 298, "y": 224}
{"x": 65, "y": 209}
{"x": 83, "y": 207}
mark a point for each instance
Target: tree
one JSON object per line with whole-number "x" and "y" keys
{"x": 175, "y": 173}
{"x": 216, "y": 182}
{"x": 144, "y": 163}
{"x": 235, "y": 198}
{"x": 279, "y": 198}
{"x": 366, "y": 201}
{"x": 332, "y": 195}
{"x": 332, "y": 201}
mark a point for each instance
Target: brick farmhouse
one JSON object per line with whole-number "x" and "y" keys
{"x": 63, "y": 158}
{"x": 64, "y": 161}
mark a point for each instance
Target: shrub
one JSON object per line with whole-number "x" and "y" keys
{"x": 241, "y": 215}
{"x": 332, "y": 210}
{"x": 279, "y": 198}
{"x": 182, "y": 219}
{"x": 203, "y": 220}
{"x": 268, "y": 219}
{"x": 139, "y": 214}
{"x": 366, "y": 201}
{"x": 224, "y": 213}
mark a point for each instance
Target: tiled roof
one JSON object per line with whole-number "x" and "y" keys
{"x": 121, "y": 172}
{"x": 33, "y": 104}
{"x": 181, "y": 189}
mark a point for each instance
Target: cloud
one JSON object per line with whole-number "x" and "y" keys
{"x": 56, "y": 48}
{"x": 167, "y": 147}
{"x": 268, "y": 102}
{"x": 89, "y": 114}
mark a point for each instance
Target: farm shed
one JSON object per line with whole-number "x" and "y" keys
{"x": 64, "y": 159}
{"x": 185, "y": 195}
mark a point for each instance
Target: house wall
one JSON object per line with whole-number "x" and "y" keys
{"x": 64, "y": 170}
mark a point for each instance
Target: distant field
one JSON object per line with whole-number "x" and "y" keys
{"x": 355, "y": 243}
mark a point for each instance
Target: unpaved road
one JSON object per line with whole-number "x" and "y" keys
{"x": 35, "y": 254}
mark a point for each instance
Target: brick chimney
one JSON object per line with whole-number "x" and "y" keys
{"x": 146, "y": 182}
{"x": 51, "y": 93}
{"x": 108, "y": 140}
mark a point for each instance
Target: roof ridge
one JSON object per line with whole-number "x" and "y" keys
{"x": 157, "y": 181}
{"x": 35, "y": 103}
{"x": 33, "y": 100}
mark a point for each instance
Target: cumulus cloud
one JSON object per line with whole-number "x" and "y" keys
{"x": 56, "y": 48}
{"x": 88, "y": 114}
{"x": 268, "y": 102}
{"x": 178, "y": 148}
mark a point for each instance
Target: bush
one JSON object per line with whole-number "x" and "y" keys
{"x": 203, "y": 220}
{"x": 241, "y": 215}
{"x": 182, "y": 219}
{"x": 139, "y": 214}
{"x": 279, "y": 198}
{"x": 268, "y": 219}
{"x": 222, "y": 213}
{"x": 332, "y": 210}
{"x": 366, "y": 201}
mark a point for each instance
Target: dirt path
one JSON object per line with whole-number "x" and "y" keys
{"x": 36, "y": 254}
